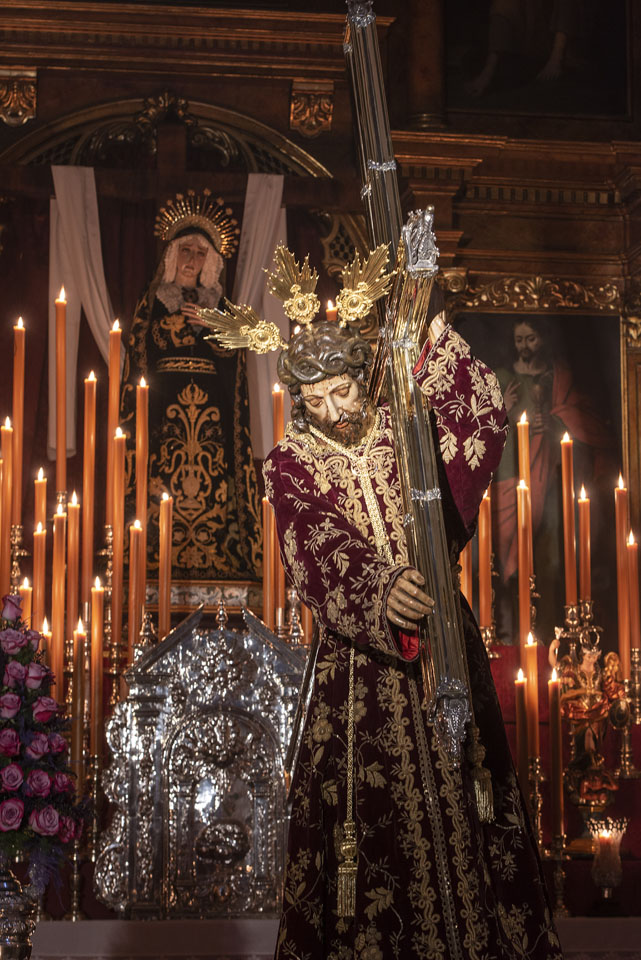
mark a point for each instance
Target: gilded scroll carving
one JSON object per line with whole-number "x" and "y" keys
{"x": 311, "y": 108}
{"x": 17, "y": 96}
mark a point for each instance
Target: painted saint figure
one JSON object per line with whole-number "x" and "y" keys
{"x": 200, "y": 449}
{"x": 430, "y": 879}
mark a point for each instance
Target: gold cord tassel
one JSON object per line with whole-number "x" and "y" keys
{"x": 481, "y": 777}
{"x": 346, "y": 895}
{"x": 346, "y": 887}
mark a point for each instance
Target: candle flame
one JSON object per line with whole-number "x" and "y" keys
{"x": 520, "y": 676}
{"x": 605, "y": 833}
{"x": 523, "y": 417}
{"x": 276, "y": 388}
{"x": 7, "y": 423}
{"x": 631, "y": 540}
{"x": 522, "y": 484}
{"x": 62, "y": 296}
{"x": 118, "y": 433}
{"x": 39, "y": 527}
{"x": 530, "y": 640}
{"x": 486, "y": 495}
{"x": 143, "y": 382}
{"x": 554, "y": 676}
{"x": 45, "y": 625}
{"x": 621, "y": 484}
{"x": 97, "y": 583}
{"x": 80, "y": 628}
{"x": 165, "y": 495}
{"x": 137, "y": 525}
{"x": 92, "y": 376}
{"x": 41, "y": 474}
{"x": 74, "y": 499}
{"x": 566, "y": 438}
{"x": 583, "y": 495}
{"x": 25, "y": 583}
{"x": 20, "y": 324}
{"x": 330, "y": 305}
{"x": 116, "y": 325}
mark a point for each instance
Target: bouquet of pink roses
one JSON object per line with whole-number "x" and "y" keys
{"x": 39, "y": 813}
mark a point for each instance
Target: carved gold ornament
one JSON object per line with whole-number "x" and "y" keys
{"x": 203, "y": 212}
{"x": 295, "y": 286}
{"x": 240, "y": 326}
{"x": 363, "y": 285}
{"x": 17, "y": 96}
{"x": 311, "y": 107}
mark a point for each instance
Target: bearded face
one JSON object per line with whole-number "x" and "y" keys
{"x": 339, "y": 408}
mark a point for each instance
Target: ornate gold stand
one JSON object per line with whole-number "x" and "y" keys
{"x": 635, "y": 684}
{"x": 535, "y": 779}
{"x": 114, "y": 654}
{"x": 75, "y": 913}
{"x": 17, "y": 554}
{"x": 626, "y": 769}
{"x": 94, "y": 787}
{"x": 559, "y": 854}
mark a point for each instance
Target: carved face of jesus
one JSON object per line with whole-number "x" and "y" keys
{"x": 190, "y": 260}
{"x": 338, "y": 407}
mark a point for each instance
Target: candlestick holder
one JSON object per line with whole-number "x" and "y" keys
{"x": 75, "y": 913}
{"x": 558, "y": 853}
{"x": 113, "y": 653}
{"x": 621, "y": 719}
{"x": 148, "y": 636}
{"x": 294, "y": 628}
{"x": 635, "y": 684}
{"x": 94, "y": 787}
{"x": 68, "y": 674}
{"x": 534, "y": 596}
{"x": 17, "y": 554}
{"x": 222, "y": 616}
{"x": 488, "y": 635}
{"x": 535, "y": 779}
{"x": 606, "y": 867}
{"x": 281, "y": 626}
{"x": 61, "y": 500}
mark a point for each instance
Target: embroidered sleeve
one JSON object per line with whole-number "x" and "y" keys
{"x": 472, "y": 423}
{"x": 336, "y": 571}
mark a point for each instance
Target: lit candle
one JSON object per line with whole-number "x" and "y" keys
{"x": 622, "y": 525}
{"x": 73, "y": 562}
{"x": 46, "y": 641}
{"x": 97, "y": 637}
{"x": 115, "y": 337}
{"x": 6, "y": 444}
{"x": 485, "y": 561}
{"x": 142, "y": 461}
{"x": 522, "y": 752}
{"x": 61, "y": 392}
{"x": 135, "y": 620}
{"x": 25, "y": 596}
{"x": 164, "y": 566}
{"x": 279, "y": 580}
{"x": 525, "y": 622}
{"x": 78, "y": 706}
{"x": 331, "y": 312}
{"x": 268, "y": 564}
{"x": 58, "y": 601}
{"x": 88, "y": 483}
{"x": 278, "y": 403}
{"x": 632, "y": 548}
{"x": 118, "y": 521}
{"x": 39, "y": 554}
{"x": 307, "y": 623}
{"x": 569, "y": 538}
{"x": 18, "y": 419}
{"x": 532, "y": 674}
{"x": 556, "y": 754}
{"x": 585, "y": 579}
{"x": 465, "y": 560}
{"x": 40, "y": 498}
{"x": 523, "y": 438}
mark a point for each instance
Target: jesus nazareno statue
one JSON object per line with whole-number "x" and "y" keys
{"x": 199, "y": 443}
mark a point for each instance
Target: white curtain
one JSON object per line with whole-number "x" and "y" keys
{"x": 264, "y": 227}
{"x": 75, "y": 262}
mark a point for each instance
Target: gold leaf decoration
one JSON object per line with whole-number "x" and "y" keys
{"x": 294, "y": 286}
{"x": 363, "y": 284}
{"x": 240, "y": 326}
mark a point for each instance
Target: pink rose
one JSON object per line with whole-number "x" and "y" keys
{"x": 11, "y": 606}
{"x": 57, "y": 743}
{"x": 44, "y": 709}
{"x": 45, "y": 821}
{"x": 33, "y": 638}
{"x": 62, "y": 782}
{"x": 38, "y": 746}
{"x": 14, "y": 673}
{"x": 11, "y": 777}
{"x": 36, "y": 673}
{"x": 12, "y": 641}
{"x": 9, "y": 742}
{"x": 67, "y": 829}
{"x": 9, "y": 705}
{"x": 38, "y": 783}
{"x": 11, "y": 814}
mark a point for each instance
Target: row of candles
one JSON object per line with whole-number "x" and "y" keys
{"x": 73, "y": 587}
{"x": 629, "y": 620}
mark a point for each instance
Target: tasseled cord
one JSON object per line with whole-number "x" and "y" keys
{"x": 481, "y": 777}
{"x": 346, "y": 887}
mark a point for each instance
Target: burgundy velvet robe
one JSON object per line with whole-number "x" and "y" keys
{"x": 432, "y": 881}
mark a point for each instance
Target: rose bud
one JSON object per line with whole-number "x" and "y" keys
{"x": 57, "y": 743}
{"x": 38, "y": 747}
{"x": 33, "y": 638}
{"x": 36, "y": 673}
{"x": 45, "y": 822}
{"x": 11, "y": 777}
{"x": 67, "y": 829}
{"x": 9, "y": 705}
{"x": 11, "y": 814}
{"x": 11, "y": 606}
{"x": 14, "y": 673}
{"x": 38, "y": 783}
{"x": 9, "y": 743}
{"x": 62, "y": 783}
{"x": 12, "y": 641}
{"x": 44, "y": 709}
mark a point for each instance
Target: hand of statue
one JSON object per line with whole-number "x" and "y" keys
{"x": 407, "y": 603}
{"x": 188, "y": 311}
{"x": 437, "y": 326}
{"x": 511, "y": 395}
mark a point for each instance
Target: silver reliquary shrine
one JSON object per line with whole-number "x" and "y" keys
{"x": 196, "y": 782}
